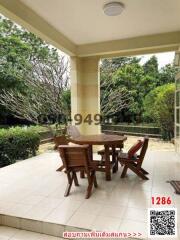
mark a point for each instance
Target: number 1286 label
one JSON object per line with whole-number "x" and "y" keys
{"x": 161, "y": 200}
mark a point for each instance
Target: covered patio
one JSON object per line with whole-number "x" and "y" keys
{"x": 31, "y": 191}
{"x": 32, "y": 197}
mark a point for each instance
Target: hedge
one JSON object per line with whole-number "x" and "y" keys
{"x": 17, "y": 144}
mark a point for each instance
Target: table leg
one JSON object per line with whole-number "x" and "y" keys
{"x": 107, "y": 163}
{"x": 91, "y": 152}
{"x": 114, "y": 160}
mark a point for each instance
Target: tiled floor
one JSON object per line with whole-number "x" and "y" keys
{"x": 32, "y": 189}
{"x": 8, "y": 233}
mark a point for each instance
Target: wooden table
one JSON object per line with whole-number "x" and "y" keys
{"x": 102, "y": 139}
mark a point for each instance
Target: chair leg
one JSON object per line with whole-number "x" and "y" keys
{"x": 124, "y": 171}
{"x": 60, "y": 168}
{"x": 144, "y": 171}
{"x": 121, "y": 163}
{"x": 95, "y": 180}
{"x": 68, "y": 188}
{"x": 138, "y": 172}
{"x": 75, "y": 179}
{"x": 82, "y": 175}
{"x": 90, "y": 186}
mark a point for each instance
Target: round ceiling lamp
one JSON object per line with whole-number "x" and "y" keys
{"x": 113, "y": 8}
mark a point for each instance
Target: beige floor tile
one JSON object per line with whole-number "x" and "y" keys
{"x": 90, "y": 208}
{"x": 136, "y": 214}
{"x": 48, "y": 237}
{"x": 4, "y": 238}
{"x": 137, "y": 202}
{"x": 102, "y": 223}
{"x": 82, "y": 220}
{"x": 32, "y": 200}
{"x": 18, "y": 210}
{"x": 112, "y": 211}
{"x": 142, "y": 194}
{"x": 49, "y": 202}
{"x": 26, "y": 235}
{"x": 5, "y": 205}
{"x": 63, "y": 213}
{"x": 130, "y": 226}
{"x": 39, "y": 212}
{"x": 119, "y": 200}
{"x": 59, "y": 217}
{"x": 7, "y": 232}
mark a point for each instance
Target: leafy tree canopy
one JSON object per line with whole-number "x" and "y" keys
{"x": 32, "y": 72}
{"x": 139, "y": 80}
{"x": 159, "y": 106}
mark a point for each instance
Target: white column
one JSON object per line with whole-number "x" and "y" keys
{"x": 85, "y": 91}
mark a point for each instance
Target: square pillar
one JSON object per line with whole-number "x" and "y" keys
{"x": 85, "y": 92}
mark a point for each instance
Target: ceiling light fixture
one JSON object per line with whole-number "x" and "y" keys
{"x": 113, "y": 8}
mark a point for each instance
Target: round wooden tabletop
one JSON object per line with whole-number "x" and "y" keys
{"x": 99, "y": 139}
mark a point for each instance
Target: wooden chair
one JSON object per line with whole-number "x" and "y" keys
{"x": 77, "y": 159}
{"x": 73, "y": 131}
{"x": 135, "y": 162}
{"x": 62, "y": 140}
{"x": 118, "y": 149}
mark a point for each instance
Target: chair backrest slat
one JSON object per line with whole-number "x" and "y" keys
{"x": 73, "y": 131}
{"x": 74, "y": 156}
{"x": 143, "y": 151}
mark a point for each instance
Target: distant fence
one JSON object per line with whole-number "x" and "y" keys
{"x": 153, "y": 132}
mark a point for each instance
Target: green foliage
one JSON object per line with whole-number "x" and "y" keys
{"x": 159, "y": 107}
{"x": 66, "y": 103}
{"x": 151, "y": 67}
{"x": 129, "y": 76}
{"x": 24, "y": 56}
{"x": 139, "y": 80}
{"x": 167, "y": 74}
{"x": 17, "y": 144}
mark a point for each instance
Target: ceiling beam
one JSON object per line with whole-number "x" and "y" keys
{"x": 27, "y": 18}
{"x": 138, "y": 45}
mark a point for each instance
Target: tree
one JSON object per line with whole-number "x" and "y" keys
{"x": 111, "y": 65}
{"x": 113, "y": 99}
{"x": 159, "y": 107}
{"x": 151, "y": 66}
{"x": 44, "y": 96}
{"x": 129, "y": 76}
{"x": 167, "y": 74}
{"x": 33, "y": 75}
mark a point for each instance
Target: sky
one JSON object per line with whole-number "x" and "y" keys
{"x": 163, "y": 58}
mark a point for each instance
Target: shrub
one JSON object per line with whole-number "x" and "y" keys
{"x": 159, "y": 106}
{"x": 17, "y": 144}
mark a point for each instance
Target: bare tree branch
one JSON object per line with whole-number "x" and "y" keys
{"x": 113, "y": 99}
{"x": 44, "y": 87}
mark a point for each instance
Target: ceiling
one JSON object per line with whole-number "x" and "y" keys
{"x": 83, "y": 21}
